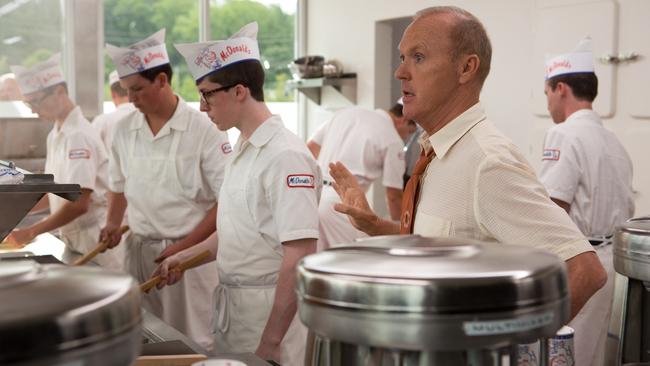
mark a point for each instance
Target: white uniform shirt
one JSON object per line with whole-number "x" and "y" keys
{"x": 480, "y": 187}
{"x": 188, "y": 182}
{"x": 105, "y": 123}
{"x": 366, "y": 142}
{"x": 272, "y": 186}
{"x": 76, "y": 154}
{"x": 585, "y": 165}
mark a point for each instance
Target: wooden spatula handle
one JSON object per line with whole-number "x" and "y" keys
{"x": 101, "y": 246}
{"x": 149, "y": 284}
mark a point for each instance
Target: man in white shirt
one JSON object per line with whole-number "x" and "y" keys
{"x": 268, "y": 206}
{"x": 105, "y": 123}
{"x": 369, "y": 143}
{"x": 166, "y": 169}
{"x": 588, "y": 173}
{"x": 75, "y": 154}
{"x": 470, "y": 182}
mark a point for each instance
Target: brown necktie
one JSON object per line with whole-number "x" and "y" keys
{"x": 411, "y": 193}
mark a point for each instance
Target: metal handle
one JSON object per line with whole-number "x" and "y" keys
{"x": 615, "y": 59}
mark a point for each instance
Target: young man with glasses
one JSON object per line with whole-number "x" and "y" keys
{"x": 75, "y": 154}
{"x": 166, "y": 169}
{"x": 268, "y": 206}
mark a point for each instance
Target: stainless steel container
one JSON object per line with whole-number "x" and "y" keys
{"x": 409, "y": 300}
{"x": 17, "y": 199}
{"x": 58, "y": 315}
{"x": 628, "y": 340}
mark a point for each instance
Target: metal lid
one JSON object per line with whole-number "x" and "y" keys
{"x": 55, "y": 310}
{"x": 632, "y": 248}
{"x": 480, "y": 292}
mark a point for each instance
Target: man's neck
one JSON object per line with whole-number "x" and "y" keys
{"x": 66, "y": 108}
{"x": 571, "y": 108}
{"x": 157, "y": 119}
{"x": 255, "y": 113}
{"x": 448, "y": 112}
{"x": 119, "y": 101}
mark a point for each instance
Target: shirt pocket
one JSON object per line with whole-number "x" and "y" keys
{"x": 188, "y": 170}
{"x": 431, "y": 226}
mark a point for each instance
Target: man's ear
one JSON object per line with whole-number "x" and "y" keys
{"x": 562, "y": 89}
{"x": 161, "y": 79}
{"x": 241, "y": 92}
{"x": 468, "y": 68}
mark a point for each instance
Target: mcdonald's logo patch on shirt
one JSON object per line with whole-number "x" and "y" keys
{"x": 79, "y": 154}
{"x": 300, "y": 181}
{"x": 226, "y": 148}
{"x": 551, "y": 154}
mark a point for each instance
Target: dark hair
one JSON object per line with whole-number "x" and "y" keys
{"x": 117, "y": 89}
{"x": 583, "y": 85}
{"x": 467, "y": 35}
{"x": 248, "y": 73}
{"x": 151, "y": 74}
{"x": 50, "y": 89}
{"x": 396, "y": 110}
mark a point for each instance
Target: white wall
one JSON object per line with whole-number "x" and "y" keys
{"x": 345, "y": 30}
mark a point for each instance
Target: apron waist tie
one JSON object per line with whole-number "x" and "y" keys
{"x": 143, "y": 239}
{"x": 221, "y": 298}
{"x": 601, "y": 240}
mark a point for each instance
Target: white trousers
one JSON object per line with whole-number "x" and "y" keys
{"x": 592, "y": 322}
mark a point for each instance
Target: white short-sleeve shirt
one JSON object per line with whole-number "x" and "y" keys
{"x": 76, "y": 154}
{"x": 203, "y": 152}
{"x": 479, "y": 186}
{"x": 585, "y": 165}
{"x": 366, "y": 142}
{"x": 272, "y": 187}
{"x": 105, "y": 123}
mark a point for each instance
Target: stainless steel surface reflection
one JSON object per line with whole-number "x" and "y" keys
{"x": 628, "y": 340}
{"x": 632, "y": 249}
{"x": 55, "y": 315}
{"x": 409, "y": 300}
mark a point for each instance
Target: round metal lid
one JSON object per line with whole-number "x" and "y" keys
{"x": 632, "y": 248}
{"x": 54, "y": 309}
{"x": 416, "y": 274}
{"x": 407, "y": 291}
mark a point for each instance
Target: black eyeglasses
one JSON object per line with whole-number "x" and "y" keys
{"x": 33, "y": 104}
{"x": 207, "y": 94}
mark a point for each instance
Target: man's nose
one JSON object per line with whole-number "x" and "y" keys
{"x": 203, "y": 106}
{"x": 401, "y": 72}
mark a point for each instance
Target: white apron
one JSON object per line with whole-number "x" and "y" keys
{"x": 592, "y": 322}
{"x": 185, "y": 305}
{"x": 243, "y": 301}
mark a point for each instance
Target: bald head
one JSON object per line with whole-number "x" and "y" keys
{"x": 466, "y": 35}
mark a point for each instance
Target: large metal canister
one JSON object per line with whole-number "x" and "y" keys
{"x": 56, "y": 315}
{"x": 628, "y": 338}
{"x": 409, "y": 300}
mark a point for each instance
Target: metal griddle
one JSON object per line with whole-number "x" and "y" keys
{"x": 16, "y": 200}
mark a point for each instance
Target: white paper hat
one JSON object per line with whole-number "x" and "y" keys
{"x": 581, "y": 60}
{"x": 39, "y": 77}
{"x": 113, "y": 77}
{"x": 206, "y": 57}
{"x": 140, "y": 56}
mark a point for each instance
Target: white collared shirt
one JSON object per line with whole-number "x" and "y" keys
{"x": 269, "y": 196}
{"x": 479, "y": 186}
{"x": 585, "y": 165}
{"x": 366, "y": 142}
{"x": 105, "y": 123}
{"x": 76, "y": 154}
{"x": 202, "y": 154}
